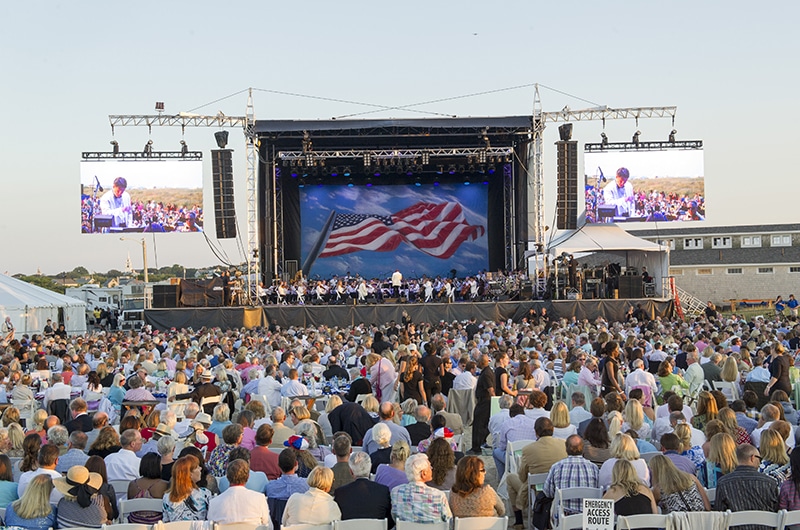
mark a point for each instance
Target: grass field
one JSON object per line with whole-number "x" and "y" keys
{"x": 681, "y": 186}
{"x": 177, "y": 196}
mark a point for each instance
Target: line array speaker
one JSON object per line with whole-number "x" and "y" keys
{"x": 567, "y": 202}
{"x": 166, "y": 296}
{"x": 224, "y": 209}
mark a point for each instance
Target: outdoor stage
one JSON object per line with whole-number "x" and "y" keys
{"x": 349, "y": 315}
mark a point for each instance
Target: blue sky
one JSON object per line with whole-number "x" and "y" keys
{"x": 730, "y": 67}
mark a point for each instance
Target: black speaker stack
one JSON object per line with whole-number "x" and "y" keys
{"x": 224, "y": 209}
{"x": 567, "y": 201}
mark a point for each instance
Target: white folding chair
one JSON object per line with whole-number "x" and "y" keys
{"x": 535, "y": 483}
{"x": 711, "y": 493}
{"x": 790, "y": 519}
{"x": 178, "y": 407}
{"x": 120, "y": 488}
{"x": 307, "y": 527}
{"x": 728, "y": 388}
{"x": 183, "y": 525}
{"x": 566, "y": 494}
{"x": 361, "y": 397}
{"x": 754, "y": 517}
{"x": 3, "y": 514}
{"x": 129, "y": 506}
{"x": 405, "y": 525}
{"x": 571, "y": 522}
{"x": 513, "y": 452}
{"x": 361, "y": 524}
{"x": 480, "y": 523}
{"x": 127, "y": 526}
{"x": 242, "y": 526}
{"x": 642, "y": 521}
{"x": 209, "y": 400}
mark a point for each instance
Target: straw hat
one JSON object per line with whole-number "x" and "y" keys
{"x": 77, "y": 475}
{"x": 163, "y": 430}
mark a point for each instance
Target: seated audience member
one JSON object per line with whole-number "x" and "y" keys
{"x": 675, "y": 490}
{"x": 597, "y": 441}
{"x": 443, "y": 464}
{"x": 124, "y": 464}
{"x": 341, "y": 469}
{"x": 185, "y": 500}
{"x": 81, "y": 505}
{"x": 470, "y": 495}
{"x": 416, "y": 502}
{"x": 46, "y": 463}
{"x": 149, "y": 486}
{"x": 381, "y": 436}
{"x": 394, "y": 473}
{"x": 789, "y": 497}
{"x": 238, "y": 504}
{"x": 575, "y": 471}
{"x": 261, "y": 458}
{"x": 288, "y": 483}
{"x": 630, "y": 496}
{"x": 33, "y": 510}
{"x": 422, "y": 428}
{"x": 315, "y": 506}
{"x": 363, "y": 498}
{"x": 623, "y": 448}
{"x": 671, "y": 447}
{"x": 256, "y": 481}
{"x": 95, "y": 464}
{"x": 8, "y": 488}
{"x": 745, "y": 488}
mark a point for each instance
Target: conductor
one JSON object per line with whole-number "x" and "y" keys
{"x": 620, "y": 193}
{"x": 117, "y": 203}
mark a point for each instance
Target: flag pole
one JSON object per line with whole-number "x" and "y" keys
{"x": 317, "y": 248}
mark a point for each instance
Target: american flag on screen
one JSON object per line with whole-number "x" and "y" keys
{"x": 435, "y": 229}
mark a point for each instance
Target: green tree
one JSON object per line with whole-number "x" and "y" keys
{"x": 42, "y": 281}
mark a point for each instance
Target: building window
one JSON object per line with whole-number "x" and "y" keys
{"x": 794, "y": 270}
{"x": 766, "y": 270}
{"x": 735, "y": 270}
{"x": 676, "y": 272}
{"x": 721, "y": 242}
{"x": 751, "y": 241}
{"x": 781, "y": 240}
{"x": 693, "y": 242}
{"x": 704, "y": 272}
{"x": 667, "y": 243}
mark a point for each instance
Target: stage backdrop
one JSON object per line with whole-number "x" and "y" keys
{"x": 373, "y": 230}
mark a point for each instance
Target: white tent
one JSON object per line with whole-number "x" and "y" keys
{"x": 29, "y": 307}
{"x": 611, "y": 239}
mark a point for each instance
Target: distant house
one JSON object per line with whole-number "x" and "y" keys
{"x": 722, "y": 263}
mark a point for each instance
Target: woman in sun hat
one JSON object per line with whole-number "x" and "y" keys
{"x": 81, "y": 505}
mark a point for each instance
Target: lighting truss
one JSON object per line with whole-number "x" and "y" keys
{"x": 389, "y": 154}
{"x": 644, "y": 146}
{"x": 606, "y": 113}
{"x": 138, "y": 155}
{"x": 182, "y": 120}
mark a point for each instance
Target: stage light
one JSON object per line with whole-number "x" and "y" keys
{"x": 462, "y": 168}
{"x": 466, "y": 182}
{"x": 184, "y": 148}
{"x": 491, "y": 169}
{"x": 417, "y": 182}
{"x": 367, "y": 159}
{"x": 485, "y": 182}
{"x": 148, "y": 148}
{"x": 369, "y": 182}
{"x": 160, "y": 106}
{"x": 409, "y": 172}
{"x": 672, "y": 134}
{"x": 221, "y": 138}
{"x": 309, "y": 160}
{"x": 565, "y": 132}
{"x": 603, "y": 139}
{"x": 350, "y": 183}
{"x": 335, "y": 171}
{"x": 301, "y": 184}
{"x": 482, "y": 157}
{"x": 635, "y": 138}
{"x": 451, "y": 169}
{"x": 482, "y": 169}
{"x": 347, "y": 171}
{"x": 435, "y": 182}
{"x": 115, "y": 148}
{"x": 439, "y": 170}
{"x": 294, "y": 172}
{"x": 426, "y": 158}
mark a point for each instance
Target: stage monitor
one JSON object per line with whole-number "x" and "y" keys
{"x": 374, "y": 230}
{"x": 120, "y": 196}
{"x": 662, "y": 182}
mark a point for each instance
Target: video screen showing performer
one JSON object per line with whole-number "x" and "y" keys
{"x": 644, "y": 186}
{"x": 141, "y": 196}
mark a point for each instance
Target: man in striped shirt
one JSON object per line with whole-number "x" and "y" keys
{"x": 572, "y": 472}
{"x": 745, "y": 488}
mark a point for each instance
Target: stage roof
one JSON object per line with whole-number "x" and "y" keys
{"x": 504, "y": 122}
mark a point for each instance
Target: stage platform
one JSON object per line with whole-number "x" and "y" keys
{"x": 350, "y": 315}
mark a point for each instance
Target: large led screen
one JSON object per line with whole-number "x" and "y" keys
{"x": 371, "y": 231}
{"x": 640, "y": 186}
{"x": 141, "y": 196}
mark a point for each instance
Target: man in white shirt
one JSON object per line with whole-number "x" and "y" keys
{"x": 620, "y": 193}
{"x": 769, "y": 415}
{"x": 270, "y": 387}
{"x": 758, "y": 374}
{"x": 694, "y": 373}
{"x": 466, "y": 380}
{"x": 238, "y": 504}
{"x": 293, "y": 387}
{"x": 58, "y": 390}
{"x": 47, "y": 460}
{"x": 640, "y": 378}
{"x": 541, "y": 377}
{"x": 578, "y": 412}
{"x": 124, "y": 464}
{"x": 397, "y": 282}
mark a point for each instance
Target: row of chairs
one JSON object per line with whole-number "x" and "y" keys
{"x": 780, "y": 521}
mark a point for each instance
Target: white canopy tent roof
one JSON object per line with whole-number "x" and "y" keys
{"x": 29, "y": 307}
{"x": 611, "y": 239}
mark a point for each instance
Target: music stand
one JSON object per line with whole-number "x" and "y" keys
{"x": 103, "y": 221}
{"x": 606, "y": 212}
